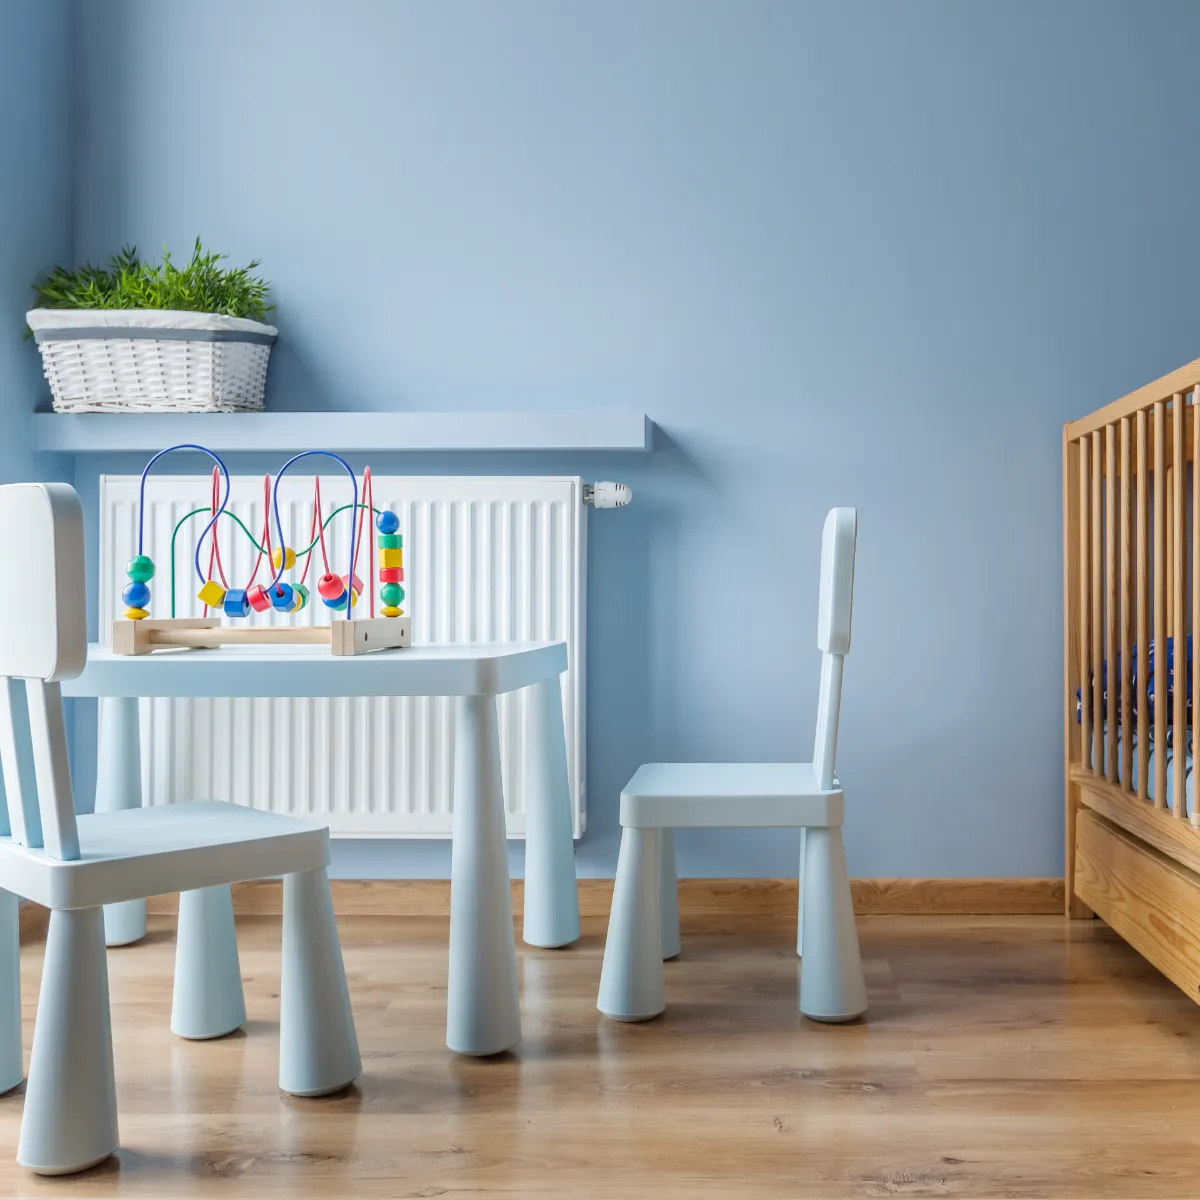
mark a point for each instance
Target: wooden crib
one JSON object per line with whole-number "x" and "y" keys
{"x": 1131, "y": 537}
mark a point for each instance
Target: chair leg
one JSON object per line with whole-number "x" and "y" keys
{"x": 831, "y": 979}
{"x": 119, "y": 786}
{"x": 318, "y": 1046}
{"x": 70, "y": 1118}
{"x": 12, "y": 1065}
{"x": 631, "y": 980}
{"x": 800, "y": 901}
{"x": 668, "y": 886}
{"x": 207, "y": 1000}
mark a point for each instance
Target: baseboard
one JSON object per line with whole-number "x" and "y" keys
{"x": 697, "y": 897}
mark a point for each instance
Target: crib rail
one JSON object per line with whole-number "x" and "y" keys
{"x": 1131, "y": 582}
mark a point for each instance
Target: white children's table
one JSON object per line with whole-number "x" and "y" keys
{"x": 483, "y": 1015}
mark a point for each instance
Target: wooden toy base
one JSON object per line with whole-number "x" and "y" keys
{"x": 359, "y": 636}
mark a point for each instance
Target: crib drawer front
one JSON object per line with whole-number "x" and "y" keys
{"x": 1152, "y": 901}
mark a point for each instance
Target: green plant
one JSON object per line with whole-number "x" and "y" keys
{"x": 128, "y": 282}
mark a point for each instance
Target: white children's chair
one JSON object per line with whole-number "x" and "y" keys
{"x": 643, "y": 926}
{"x": 74, "y": 865}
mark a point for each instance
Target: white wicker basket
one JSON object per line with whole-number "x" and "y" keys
{"x": 142, "y": 360}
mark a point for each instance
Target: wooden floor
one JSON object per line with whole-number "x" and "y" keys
{"x": 1002, "y": 1057}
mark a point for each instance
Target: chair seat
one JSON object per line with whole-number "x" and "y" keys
{"x": 139, "y": 852}
{"x": 729, "y": 795}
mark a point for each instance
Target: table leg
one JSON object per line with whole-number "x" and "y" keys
{"x": 118, "y": 786}
{"x": 483, "y": 1015}
{"x": 551, "y": 895}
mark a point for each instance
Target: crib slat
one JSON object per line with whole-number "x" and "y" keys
{"x": 1126, "y": 655}
{"x": 1098, "y": 732}
{"x": 1085, "y": 643}
{"x": 1195, "y": 817}
{"x": 1169, "y": 556}
{"x": 1111, "y": 605}
{"x": 1141, "y": 580}
{"x": 1160, "y": 604}
{"x": 1178, "y": 565}
{"x": 1195, "y": 579}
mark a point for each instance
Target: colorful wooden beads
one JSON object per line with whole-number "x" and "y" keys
{"x": 332, "y": 589}
{"x": 212, "y": 594}
{"x": 391, "y": 563}
{"x": 287, "y": 556}
{"x": 281, "y": 597}
{"x": 141, "y": 569}
{"x": 330, "y": 586}
{"x": 236, "y": 604}
{"x": 299, "y": 597}
{"x": 257, "y": 598}
{"x": 136, "y": 594}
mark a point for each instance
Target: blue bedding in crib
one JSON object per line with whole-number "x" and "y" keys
{"x": 1151, "y": 770}
{"x": 1080, "y": 699}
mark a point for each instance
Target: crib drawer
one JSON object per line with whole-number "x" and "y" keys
{"x": 1152, "y": 901}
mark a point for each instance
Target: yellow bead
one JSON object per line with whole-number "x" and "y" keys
{"x": 288, "y": 556}
{"x": 212, "y": 594}
{"x": 136, "y": 614}
{"x": 391, "y": 558}
{"x": 391, "y": 611}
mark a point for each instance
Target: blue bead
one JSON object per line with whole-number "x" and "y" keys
{"x": 281, "y": 597}
{"x": 236, "y": 604}
{"x": 387, "y": 522}
{"x": 136, "y": 594}
{"x": 337, "y": 603}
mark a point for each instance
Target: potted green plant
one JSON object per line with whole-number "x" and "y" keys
{"x": 138, "y": 336}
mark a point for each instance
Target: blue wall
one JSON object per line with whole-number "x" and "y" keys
{"x": 36, "y": 178}
{"x": 843, "y": 253}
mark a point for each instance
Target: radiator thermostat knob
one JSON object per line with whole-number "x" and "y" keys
{"x": 607, "y": 495}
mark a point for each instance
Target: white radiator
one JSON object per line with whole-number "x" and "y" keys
{"x": 486, "y": 559}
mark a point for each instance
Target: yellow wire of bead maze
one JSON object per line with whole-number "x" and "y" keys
{"x": 138, "y": 633}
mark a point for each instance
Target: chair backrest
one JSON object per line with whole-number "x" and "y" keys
{"x": 43, "y": 639}
{"x": 835, "y": 609}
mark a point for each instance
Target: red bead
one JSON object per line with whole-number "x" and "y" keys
{"x": 330, "y": 586}
{"x": 258, "y": 598}
{"x": 391, "y": 574}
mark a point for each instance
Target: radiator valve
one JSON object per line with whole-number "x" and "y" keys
{"x": 607, "y": 495}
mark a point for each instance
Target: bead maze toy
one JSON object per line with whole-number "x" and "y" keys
{"x": 138, "y": 633}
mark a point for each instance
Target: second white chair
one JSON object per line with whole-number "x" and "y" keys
{"x": 643, "y": 927}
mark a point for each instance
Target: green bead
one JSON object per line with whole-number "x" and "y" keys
{"x": 390, "y": 541}
{"x": 391, "y": 594}
{"x": 141, "y": 569}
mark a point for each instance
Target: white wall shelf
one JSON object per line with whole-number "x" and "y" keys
{"x": 378, "y": 432}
